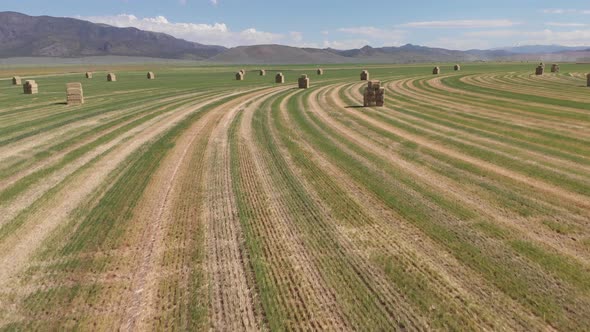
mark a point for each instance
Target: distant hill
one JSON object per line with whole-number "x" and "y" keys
{"x": 23, "y": 35}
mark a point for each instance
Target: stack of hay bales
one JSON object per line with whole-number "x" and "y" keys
{"x": 17, "y": 80}
{"x": 555, "y": 68}
{"x": 280, "y": 78}
{"x": 151, "y": 75}
{"x": 365, "y": 75}
{"x": 374, "y": 94}
{"x": 31, "y": 87}
{"x": 262, "y": 72}
{"x": 88, "y": 75}
{"x": 436, "y": 71}
{"x": 540, "y": 69}
{"x": 320, "y": 71}
{"x": 457, "y": 68}
{"x": 304, "y": 82}
{"x": 588, "y": 80}
{"x": 111, "y": 77}
{"x": 239, "y": 76}
{"x": 75, "y": 94}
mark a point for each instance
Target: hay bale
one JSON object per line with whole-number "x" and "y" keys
{"x": 374, "y": 94}
{"x": 262, "y": 72}
{"x": 280, "y": 78}
{"x": 16, "y": 80}
{"x": 239, "y": 76}
{"x": 555, "y": 68}
{"x": 457, "y": 68}
{"x": 111, "y": 77}
{"x": 31, "y": 87}
{"x": 303, "y": 82}
{"x": 436, "y": 71}
{"x": 364, "y": 75}
{"x": 74, "y": 94}
{"x": 88, "y": 75}
{"x": 540, "y": 70}
{"x": 320, "y": 71}
{"x": 243, "y": 71}
{"x": 151, "y": 75}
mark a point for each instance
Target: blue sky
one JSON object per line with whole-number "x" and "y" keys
{"x": 458, "y": 24}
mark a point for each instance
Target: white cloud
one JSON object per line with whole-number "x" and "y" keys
{"x": 567, "y": 25}
{"x": 377, "y": 36}
{"x": 565, "y": 11}
{"x": 460, "y": 43}
{"x": 346, "y": 44}
{"x": 543, "y": 37}
{"x": 216, "y": 34}
{"x": 461, "y": 24}
{"x": 214, "y": 2}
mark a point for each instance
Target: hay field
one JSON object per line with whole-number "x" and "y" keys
{"x": 196, "y": 202}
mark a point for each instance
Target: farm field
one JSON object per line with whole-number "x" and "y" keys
{"x": 198, "y": 202}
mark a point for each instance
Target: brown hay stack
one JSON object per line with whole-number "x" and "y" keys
{"x": 540, "y": 70}
{"x": 374, "y": 94}
{"x": 365, "y": 75}
{"x": 111, "y": 77}
{"x": 16, "y": 80}
{"x": 457, "y": 68}
{"x": 436, "y": 71}
{"x": 88, "y": 75}
{"x": 31, "y": 87}
{"x": 151, "y": 75}
{"x": 74, "y": 94}
{"x": 303, "y": 82}
{"x": 280, "y": 78}
{"x": 320, "y": 71}
{"x": 239, "y": 76}
{"x": 555, "y": 68}
{"x": 262, "y": 72}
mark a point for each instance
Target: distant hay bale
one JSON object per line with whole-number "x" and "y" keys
{"x": 320, "y": 71}
{"x": 74, "y": 94}
{"x": 555, "y": 68}
{"x": 151, "y": 75}
{"x": 16, "y": 80}
{"x": 364, "y": 75}
{"x": 262, "y": 72}
{"x": 436, "y": 71}
{"x": 540, "y": 70}
{"x": 111, "y": 77}
{"x": 280, "y": 78}
{"x": 239, "y": 76}
{"x": 243, "y": 71}
{"x": 88, "y": 75}
{"x": 31, "y": 87}
{"x": 457, "y": 68}
{"x": 303, "y": 82}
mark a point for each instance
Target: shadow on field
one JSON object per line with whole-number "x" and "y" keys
{"x": 60, "y": 103}
{"x": 355, "y": 106}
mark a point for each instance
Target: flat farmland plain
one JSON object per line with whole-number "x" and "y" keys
{"x": 197, "y": 202}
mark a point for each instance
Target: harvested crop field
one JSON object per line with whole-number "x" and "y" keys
{"x": 198, "y": 202}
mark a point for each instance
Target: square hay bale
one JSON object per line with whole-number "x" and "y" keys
{"x": 374, "y": 94}
{"x": 74, "y": 93}
{"x": 111, "y": 77}
{"x": 374, "y": 84}
{"x": 436, "y": 71}
{"x": 239, "y": 76}
{"x": 457, "y": 67}
{"x": 262, "y": 72}
{"x": 364, "y": 75}
{"x": 320, "y": 71}
{"x": 540, "y": 70}
{"x": 151, "y": 75}
{"x": 303, "y": 82}
{"x": 30, "y": 87}
{"x": 88, "y": 75}
{"x": 16, "y": 80}
{"x": 280, "y": 78}
{"x": 555, "y": 68}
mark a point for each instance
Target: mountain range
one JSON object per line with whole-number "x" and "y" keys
{"x": 44, "y": 36}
